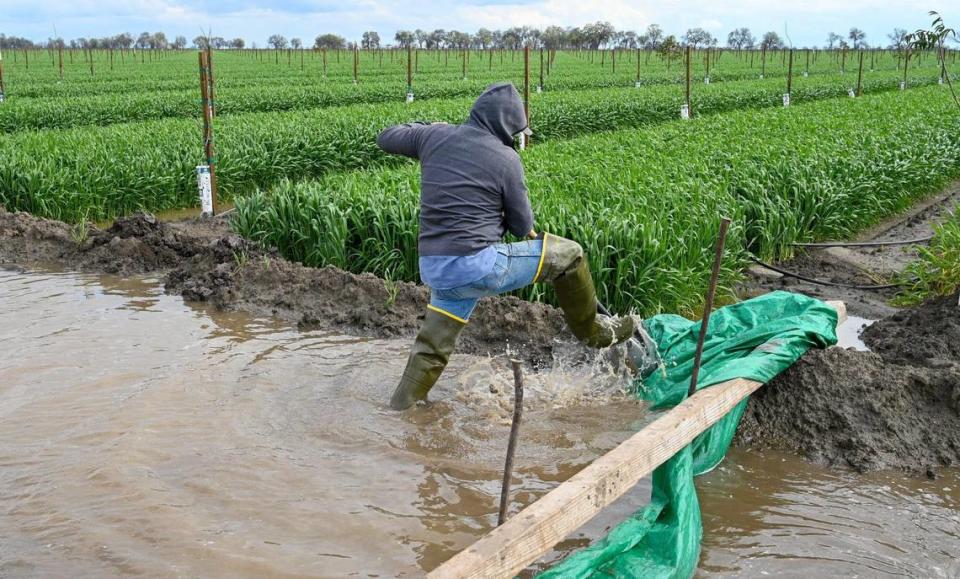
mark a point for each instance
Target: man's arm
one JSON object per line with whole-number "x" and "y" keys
{"x": 403, "y": 139}
{"x": 517, "y": 212}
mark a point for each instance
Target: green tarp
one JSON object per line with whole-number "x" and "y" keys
{"x": 756, "y": 339}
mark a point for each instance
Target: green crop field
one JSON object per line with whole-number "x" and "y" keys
{"x": 611, "y": 163}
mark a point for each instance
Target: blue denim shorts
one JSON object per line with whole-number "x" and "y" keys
{"x": 517, "y": 266}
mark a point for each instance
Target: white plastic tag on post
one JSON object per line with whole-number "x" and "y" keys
{"x": 805, "y": 74}
{"x": 940, "y": 80}
{"x": 1, "y": 97}
{"x": 903, "y": 85}
{"x": 636, "y": 84}
{"x": 706, "y": 80}
{"x": 523, "y": 141}
{"x": 786, "y": 99}
{"x": 206, "y": 193}
{"x": 761, "y": 77}
{"x": 539, "y": 89}
{"x": 851, "y": 93}
{"x": 409, "y": 97}
{"x": 685, "y": 112}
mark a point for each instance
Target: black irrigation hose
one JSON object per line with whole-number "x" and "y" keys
{"x": 822, "y": 282}
{"x": 864, "y": 243}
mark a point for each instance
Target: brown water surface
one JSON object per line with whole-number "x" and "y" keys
{"x": 140, "y": 435}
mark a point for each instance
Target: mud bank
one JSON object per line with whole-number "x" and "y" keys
{"x": 896, "y": 407}
{"x": 202, "y": 260}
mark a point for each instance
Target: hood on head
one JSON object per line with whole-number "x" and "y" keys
{"x": 499, "y": 110}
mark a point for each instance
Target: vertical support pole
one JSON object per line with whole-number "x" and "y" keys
{"x": 512, "y": 442}
{"x": 210, "y": 82}
{"x": 463, "y": 65}
{"x": 637, "y": 81}
{"x": 860, "y": 75}
{"x": 324, "y": 63}
{"x": 806, "y": 70}
{"x": 540, "y": 86}
{"x": 613, "y": 60}
{"x": 60, "y": 60}
{"x": 790, "y": 75}
{"x": 356, "y": 64}
{"x": 90, "y": 55}
{"x": 3, "y": 87}
{"x": 301, "y": 59}
{"x": 409, "y": 74}
{"x": 708, "y": 64}
{"x": 689, "y": 108}
{"x": 208, "y": 148}
{"x": 526, "y": 92}
{"x": 763, "y": 61}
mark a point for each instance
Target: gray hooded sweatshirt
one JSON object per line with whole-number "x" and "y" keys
{"x": 472, "y": 188}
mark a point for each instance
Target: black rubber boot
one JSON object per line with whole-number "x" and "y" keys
{"x": 429, "y": 356}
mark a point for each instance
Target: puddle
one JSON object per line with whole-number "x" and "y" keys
{"x": 848, "y": 333}
{"x": 141, "y": 435}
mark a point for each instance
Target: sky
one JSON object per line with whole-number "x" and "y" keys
{"x": 805, "y": 23}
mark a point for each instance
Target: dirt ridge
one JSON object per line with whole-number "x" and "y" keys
{"x": 202, "y": 260}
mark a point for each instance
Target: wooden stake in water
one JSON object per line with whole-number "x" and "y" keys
{"x": 708, "y": 307}
{"x": 512, "y": 443}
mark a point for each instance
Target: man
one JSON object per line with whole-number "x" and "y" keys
{"x": 472, "y": 192}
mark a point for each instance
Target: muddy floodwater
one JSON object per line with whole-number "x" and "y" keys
{"x": 142, "y": 435}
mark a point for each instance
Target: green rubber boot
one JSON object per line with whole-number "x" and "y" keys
{"x": 429, "y": 356}
{"x": 564, "y": 264}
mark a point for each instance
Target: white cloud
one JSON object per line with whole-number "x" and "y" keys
{"x": 623, "y": 13}
{"x": 808, "y": 22}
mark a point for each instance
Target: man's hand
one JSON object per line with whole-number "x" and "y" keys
{"x": 532, "y": 234}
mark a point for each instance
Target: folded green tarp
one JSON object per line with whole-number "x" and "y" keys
{"x": 756, "y": 340}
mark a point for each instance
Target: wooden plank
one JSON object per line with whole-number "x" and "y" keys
{"x": 535, "y": 530}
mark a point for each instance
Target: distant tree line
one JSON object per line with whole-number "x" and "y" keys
{"x": 590, "y": 36}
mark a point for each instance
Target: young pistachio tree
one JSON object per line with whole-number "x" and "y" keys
{"x": 935, "y": 38}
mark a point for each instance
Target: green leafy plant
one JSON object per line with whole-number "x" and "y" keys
{"x": 937, "y": 272}
{"x": 935, "y": 38}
